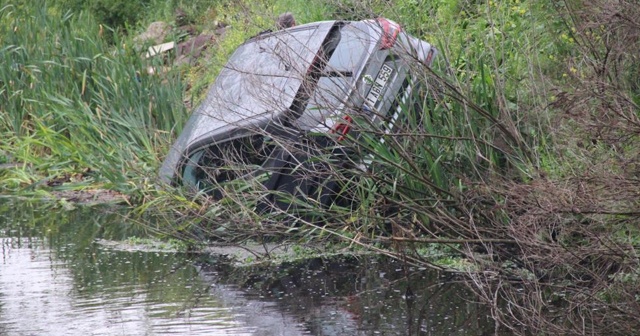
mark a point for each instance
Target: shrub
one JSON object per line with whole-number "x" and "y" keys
{"x": 117, "y": 14}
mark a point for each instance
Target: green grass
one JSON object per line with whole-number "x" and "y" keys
{"x": 73, "y": 101}
{"x": 531, "y": 136}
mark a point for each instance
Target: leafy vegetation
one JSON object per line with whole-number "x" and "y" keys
{"x": 523, "y": 157}
{"x": 74, "y": 104}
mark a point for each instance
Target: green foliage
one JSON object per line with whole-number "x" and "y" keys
{"x": 72, "y": 99}
{"x": 117, "y": 14}
{"x": 525, "y": 129}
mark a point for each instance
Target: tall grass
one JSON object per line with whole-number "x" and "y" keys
{"x": 70, "y": 100}
{"x": 505, "y": 156}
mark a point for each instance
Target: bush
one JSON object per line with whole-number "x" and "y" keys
{"x": 117, "y": 14}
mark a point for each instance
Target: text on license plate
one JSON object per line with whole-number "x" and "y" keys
{"x": 378, "y": 85}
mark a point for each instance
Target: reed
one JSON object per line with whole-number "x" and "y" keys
{"x": 86, "y": 103}
{"x": 518, "y": 151}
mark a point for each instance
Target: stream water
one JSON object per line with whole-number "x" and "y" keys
{"x": 57, "y": 278}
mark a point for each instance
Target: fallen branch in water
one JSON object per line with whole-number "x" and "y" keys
{"x": 447, "y": 241}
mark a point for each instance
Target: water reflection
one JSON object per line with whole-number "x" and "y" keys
{"x": 56, "y": 280}
{"x": 361, "y": 296}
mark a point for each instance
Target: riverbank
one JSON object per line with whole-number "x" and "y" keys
{"x": 526, "y": 164}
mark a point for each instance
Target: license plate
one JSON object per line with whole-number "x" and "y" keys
{"x": 378, "y": 85}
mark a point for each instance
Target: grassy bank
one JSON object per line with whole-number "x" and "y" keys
{"x": 77, "y": 108}
{"x": 525, "y": 160}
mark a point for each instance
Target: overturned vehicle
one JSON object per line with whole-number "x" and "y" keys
{"x": 288, "y": 97}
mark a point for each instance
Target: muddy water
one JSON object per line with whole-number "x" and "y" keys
{"x": 56, "y": 278}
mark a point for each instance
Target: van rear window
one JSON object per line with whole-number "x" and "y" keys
{"x": 333, "y": 82}
{"x": 350, "y": 52}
